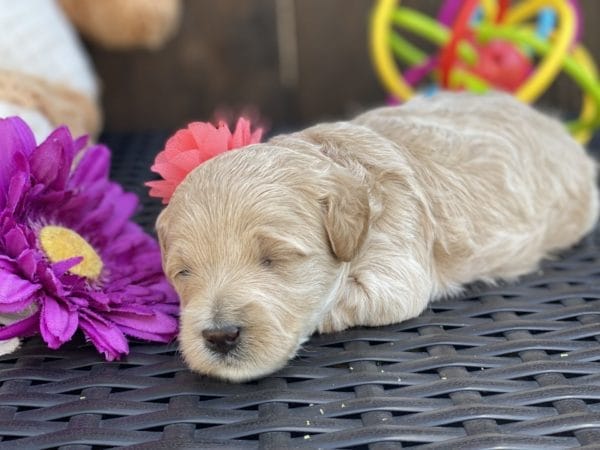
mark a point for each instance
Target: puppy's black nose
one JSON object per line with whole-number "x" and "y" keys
{"x": 221, "y": 340}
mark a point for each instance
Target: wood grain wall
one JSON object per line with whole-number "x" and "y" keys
{"x": 295, "y": 61}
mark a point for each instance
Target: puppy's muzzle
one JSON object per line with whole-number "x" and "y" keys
{"x": 221, "y": 340}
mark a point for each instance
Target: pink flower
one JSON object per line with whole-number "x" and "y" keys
{"x": 191, "y": 146}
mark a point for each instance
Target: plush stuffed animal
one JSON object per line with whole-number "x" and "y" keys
{"x": 46, "y": 76}
{"x": 118, "y": 24}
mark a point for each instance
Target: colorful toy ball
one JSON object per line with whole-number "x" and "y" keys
{"x": 503, "y": 65}
{"x": 487, "y": 44}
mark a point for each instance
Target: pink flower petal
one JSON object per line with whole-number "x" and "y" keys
{"x": 256, "y": 137}
{"x": 182, "y": 140}
{"x": 210, "y": 141}
{"x": 241, "y": 135}
{"x": 169, "y": 172}
{"x": 190, "y": 147}
{"x": 187, "y": 160}
{"x": 161, "y": 189}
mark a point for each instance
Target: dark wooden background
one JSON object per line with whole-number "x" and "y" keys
{"x": 294, "y": 61}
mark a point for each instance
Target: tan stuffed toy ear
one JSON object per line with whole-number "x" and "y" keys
{"x": 124, "y": 24}
{"x": 347, "y": 214}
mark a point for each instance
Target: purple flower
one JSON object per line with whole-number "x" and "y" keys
{"x": 69, "y": 255}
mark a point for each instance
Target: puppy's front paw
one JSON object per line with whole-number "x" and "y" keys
{"x": 369, "y": 301}
{"x": 345, "y": 312}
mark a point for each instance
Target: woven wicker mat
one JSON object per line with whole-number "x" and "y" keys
{"x": 515, "y": 366}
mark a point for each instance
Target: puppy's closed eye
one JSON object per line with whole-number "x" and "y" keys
{"x": 183, "y": 273}
{"x": 177, "y": 269}
{"x": 266, "y": 262}
{"x": 276, "y": 251}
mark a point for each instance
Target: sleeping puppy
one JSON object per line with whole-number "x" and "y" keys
{"x": 365, "y": 222}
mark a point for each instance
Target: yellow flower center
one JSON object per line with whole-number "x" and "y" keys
{"x": 60, "y": 243}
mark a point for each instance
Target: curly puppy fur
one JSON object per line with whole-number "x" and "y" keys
{"x": 365, "y": 222}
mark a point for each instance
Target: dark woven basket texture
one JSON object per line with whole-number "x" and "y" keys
{"x": 516, "y": 366}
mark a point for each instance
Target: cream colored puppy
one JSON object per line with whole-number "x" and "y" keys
{"x": 364, "y": 222}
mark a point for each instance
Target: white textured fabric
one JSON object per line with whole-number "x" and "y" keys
{"x": 37, "y": 121}
{"x": 37, "y": 39}
{"x": 9, "y": 346}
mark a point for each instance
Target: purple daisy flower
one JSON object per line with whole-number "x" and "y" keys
{"x": 70, "y": 258}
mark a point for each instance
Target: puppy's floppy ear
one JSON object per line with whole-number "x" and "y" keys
{"x": 346, "y": 205}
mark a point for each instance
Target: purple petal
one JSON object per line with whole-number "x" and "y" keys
{"x": 166, "y": 290}
{"x": 79, "y": 143}
{"x": 134, "y": 291}
{"x": 62, "y": 137}
{"x": 148, "y": 336}
{"x": 57, "y": 323}
{"x": 103, "y": 213}
{"x": 16, "y": 190}
{"x": 105, "y": 336}
{"x": 7, "y": 264}
{"x": 15, "y": 242}
{"x": 99, "y": 298}
{"x": 62, "y": 267}
{"x": 123, "y": 246}
{"x": 155, "y": 323}
{"x": 48, "y": 161}
{"x": 128, "y": 204}
{"x": 22, "y": 328}
{"x": 15, "y": 138}
{"x": 41, "y": 201}
{"x": 50, "y": 281}
{"x": 17, "y": 306}
{"x": 78, "y": 301}
{"x": 15, "y": 293}
{"x": 94, "y": 165}
{"x": 172, "y": 309}
{"x": 27, "y": 262}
